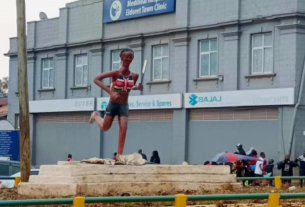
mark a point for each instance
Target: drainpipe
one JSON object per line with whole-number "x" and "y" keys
{"x": 296, "y": 109}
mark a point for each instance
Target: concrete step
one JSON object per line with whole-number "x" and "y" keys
{"x": 46, "y": 190}
{"x": 117, "y": 188}
{"x": 80, "y": 169}
{"x": 70, "y": 179}
{"x": 195, "y": 178}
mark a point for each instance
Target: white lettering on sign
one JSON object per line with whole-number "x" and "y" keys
{"x": 62, "y": 105}
{"x": 130, "y": 12}
{"x": 118, "y": 10}
{"x": 169, "y": 101}
{"x": 131, "y": 3}
{"x": 160, "y": 6}
{"x": 144, "y": 9}
{"x": 83, "y": 103}
{"x": 147, "y": 9}
{"x": 265, "y": 97}
{"x": 154, "y": 1}
{"x": 136, "y": 3}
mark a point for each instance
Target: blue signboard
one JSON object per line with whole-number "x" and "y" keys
{"x": 9, "y": 145}
{"x": 117, "y": 10}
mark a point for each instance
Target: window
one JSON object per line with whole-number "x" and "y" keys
{"x": 115, "y": 60}
{"x": 81, "y": 70}
{"x": 17, "y": 123}
{"x": 262, "y": 53}
{"x": 160, "y": 62}
{"x": 208, "y": 58}
{"x": 47, "y": 73}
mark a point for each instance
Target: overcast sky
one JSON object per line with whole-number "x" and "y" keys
{"x": 8, "y": 22}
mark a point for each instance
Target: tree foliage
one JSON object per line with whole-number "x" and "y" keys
{"x": 4, "y": 86}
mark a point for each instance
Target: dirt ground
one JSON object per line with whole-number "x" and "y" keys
{"x": 11, "y": 194}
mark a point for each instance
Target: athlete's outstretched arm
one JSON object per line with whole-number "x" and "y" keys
{"x": 98, "y": 80}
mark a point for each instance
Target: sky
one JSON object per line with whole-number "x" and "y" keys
{"x": 8, "y": 22}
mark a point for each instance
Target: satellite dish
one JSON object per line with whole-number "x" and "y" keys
{"x": 43, "y": 16}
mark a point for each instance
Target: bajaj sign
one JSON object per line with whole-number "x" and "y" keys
{"x": 117, "y": 10}
{"x": 268, "y": 97}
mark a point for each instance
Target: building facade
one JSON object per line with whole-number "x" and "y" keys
{"x": 219, "y": 73}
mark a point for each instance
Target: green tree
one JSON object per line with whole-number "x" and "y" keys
{"x": 4, "y": 86}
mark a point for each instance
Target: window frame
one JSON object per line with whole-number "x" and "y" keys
{"x": 208, "y": 53}
{"x": 47, "y": 69}
{"x": 113, "y": 61}
{"x": 263, "y": 47}
{"x": 160, "y": 58}
{"x": 17, "y": 121}
{"x": 81, "y": 65}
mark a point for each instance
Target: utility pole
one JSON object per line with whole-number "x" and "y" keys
{"x": 25, "y": 164}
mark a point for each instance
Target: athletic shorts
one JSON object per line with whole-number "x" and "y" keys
{"x": 115, "y": 109}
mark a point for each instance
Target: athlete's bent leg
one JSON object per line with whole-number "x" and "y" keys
{"x": 103, "y": 123}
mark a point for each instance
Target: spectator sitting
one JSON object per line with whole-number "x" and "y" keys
{"x": 114, "y": 157}
{"x": 69, "y": 158}
{"x": 143, "y": 155}
{"x": 207, "y": 163}
{"x": 155, "y": 157}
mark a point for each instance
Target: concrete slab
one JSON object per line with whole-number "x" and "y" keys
{"x": 43, "y": 190}
{"x": 192, "y": 178}
{"x": 117, "y": 188}
{"x": 147, "y": 188}
{"x": 71, "y": 179}
{"x": 78, "y": 169}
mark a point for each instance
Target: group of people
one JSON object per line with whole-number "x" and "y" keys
{"x": 154, "y": 159}
{"x": 260, "y": 167}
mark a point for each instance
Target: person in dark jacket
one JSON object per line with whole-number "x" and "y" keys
{"x": 270, "y": 166}
{"x": 143, "y": 155}
{"x": 241, "y": 151}
{"x": 155, "y": 157}
{"x": 301, "y": 160}
{"x": 287, "y": 168}
{"x": 269, "y": 169}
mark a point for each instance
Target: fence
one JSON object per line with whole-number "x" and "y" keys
{"x": 277, "y": 179}
{"x": 180, "y": 199}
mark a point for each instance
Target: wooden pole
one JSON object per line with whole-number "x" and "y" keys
{"x": 25, "y": 164}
